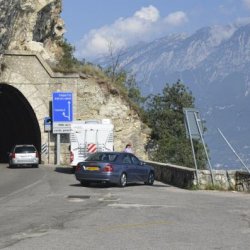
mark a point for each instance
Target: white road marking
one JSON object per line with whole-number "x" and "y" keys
{"x": 136, "y": 205}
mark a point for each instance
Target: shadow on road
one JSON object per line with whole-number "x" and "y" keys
{"x": 94, "y": 185}
{"x": 108, "y": 185}
{"x": 19, "y": 167}
{"x": 64, "y": 170}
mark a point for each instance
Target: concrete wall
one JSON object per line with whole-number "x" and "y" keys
{"x": 186, "y": 177}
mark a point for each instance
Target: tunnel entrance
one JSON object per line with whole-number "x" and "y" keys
{"x": 18, "y": 122}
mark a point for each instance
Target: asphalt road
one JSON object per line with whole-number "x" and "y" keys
{"x": 46, "y": 208}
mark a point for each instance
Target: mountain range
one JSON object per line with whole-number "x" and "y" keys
{"x": 214, "y": 63}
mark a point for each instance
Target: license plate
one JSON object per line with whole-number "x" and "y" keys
{"x": 92, "y": 168}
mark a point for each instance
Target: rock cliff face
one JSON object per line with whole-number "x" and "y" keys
{"x": 32, "y": 25}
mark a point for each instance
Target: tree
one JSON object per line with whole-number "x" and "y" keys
{"x": 164, "y": 113}
{"x": 67, "y": 61}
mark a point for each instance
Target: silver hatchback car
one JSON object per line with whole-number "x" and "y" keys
{"x": 24, "y": 155}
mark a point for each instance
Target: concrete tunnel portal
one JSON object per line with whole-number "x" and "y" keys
{"x": 18, "y": 122}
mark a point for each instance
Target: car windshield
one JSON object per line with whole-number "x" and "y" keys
{"x": 107, "y": 157}
{"x": 25, "y": 149}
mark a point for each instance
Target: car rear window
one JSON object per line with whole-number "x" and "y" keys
{"x": 106, "y": 157}
{"x": 25, "y": 149}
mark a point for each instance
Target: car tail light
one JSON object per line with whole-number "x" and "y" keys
{"x": 108, "y": 168}
{"x": 12, "y": 155}
{"x": 71, "y": 156}
{"x": 78, "y": 167}
{"x": 37, "y": 156}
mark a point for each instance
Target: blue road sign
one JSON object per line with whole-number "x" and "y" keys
{"x": 62, "y": 107}
{"x": 47, "y": 124}
{"x": 47, "y": 121}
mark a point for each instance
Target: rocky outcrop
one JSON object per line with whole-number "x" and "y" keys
{"x": 32, "y": 25}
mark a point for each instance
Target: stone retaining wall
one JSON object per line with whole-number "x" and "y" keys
{"x": 223, "y": 179}
{"x": 242, "y": 181}
{"x": 186, "y": 177}
{"x": 175, "y": 175}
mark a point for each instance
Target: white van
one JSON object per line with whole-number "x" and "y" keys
{"x": 88, "y": 137}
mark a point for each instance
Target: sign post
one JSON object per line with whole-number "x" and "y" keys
{"x": 62, "y": 116}
{"x": 194, "y": 130}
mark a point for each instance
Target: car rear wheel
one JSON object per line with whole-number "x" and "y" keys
{"x": 123, "y": 180}
{"x": 151, "y": 178}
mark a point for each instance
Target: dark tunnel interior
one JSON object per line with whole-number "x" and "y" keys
{"x": 18, "y": 122}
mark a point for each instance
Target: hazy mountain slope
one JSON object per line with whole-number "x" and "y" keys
{"x": 214, "y": 63}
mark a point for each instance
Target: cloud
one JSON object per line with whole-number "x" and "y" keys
{"x": 247, "y": 3}
{"x": 144, "y": 25}
{"x": 176, "y": 18}
{"x": 148, "y": 13}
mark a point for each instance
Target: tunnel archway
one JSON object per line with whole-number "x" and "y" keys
{"x": 18, "y": 122}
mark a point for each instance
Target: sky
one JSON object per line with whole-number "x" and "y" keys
{"x": 97, "y": 27}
